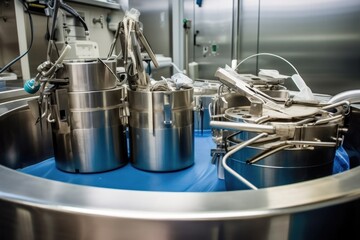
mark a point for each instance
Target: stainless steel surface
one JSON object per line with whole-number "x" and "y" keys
{"x": 23, "y": 142}
{"x": 161, "y": 129}
{"x": 248, "y": 34}
{"x": 285, "y": 167}
{"x": 263, "y": 165}
{"x": 204, "y": 94}
{"x": 297, "y": 130}
{"x": 353, "y": 96}
{"x": 87, "y": 132}
{"x": 214, "y": 21}
{"x": 12, "y": 93}
{"x": 9, "y": 45}
{"x": 90, "y": 75}
{"x": 201, "y": 111}
{"x": 36, "y": 208}
{"x": 321, "y": 38}
{"x": 243, "y": 126}
{"x": 156, "y": 17}
{"x": 234, "y": 150}
{"x": 229, "y": 100}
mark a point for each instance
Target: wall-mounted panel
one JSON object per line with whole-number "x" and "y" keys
{"x": 320, "y": 37}
{"x": 214, "y": 34}
{"x": 248, "y": 26}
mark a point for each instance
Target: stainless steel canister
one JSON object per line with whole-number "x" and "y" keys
{"x": 204, "y": 94}
{"x": 290, "y": 165}
{"x": 285, "y": 167}
{"x": 91, "y": 75}
{"x": 161, "y": 129}
{"x": 87, "y": 133}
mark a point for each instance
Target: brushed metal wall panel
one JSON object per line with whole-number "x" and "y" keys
{"x": 214, "y": 21}
{"x": 248, "y": 12}
{"x": 156, "y": 19}
{"x": 320, "y": 37}
{"x": 189, "y": 13}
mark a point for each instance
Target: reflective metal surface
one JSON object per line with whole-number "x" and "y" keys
{"x": 204, "y": 94}
{"x": 320, "y": 38}
{"x": 19, "y": 131}
{"x": 91, "y": 75}
{"x": 278, "y": 140}
{"x": 156, "y": 17}
{"x": 35, "y": 208}
{"x": 213, "y": 34}
{"x": 87, "y": 133}
{"x": 285, "y": 167}
{"x": 12, "y": 93}
{"x": 161, "y": 129}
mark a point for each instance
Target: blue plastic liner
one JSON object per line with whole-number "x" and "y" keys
{"x": 341, "y": 161}
{"x": 201, "y": 177}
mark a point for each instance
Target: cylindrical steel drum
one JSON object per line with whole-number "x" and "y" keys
{"x": 161, "y": 129}
{"x": 38, "y": 208}
{"x": 87, "y": 133}
{"x": 90, "y": 75}
{"x": 204, "y": 93}
{"x": 290, "y": 165}
{"x": 285, "y": 167}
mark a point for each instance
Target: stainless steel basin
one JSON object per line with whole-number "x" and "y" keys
{"x": 36, "y": 208}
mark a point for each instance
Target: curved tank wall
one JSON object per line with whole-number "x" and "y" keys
{"x": 36, "y": 208}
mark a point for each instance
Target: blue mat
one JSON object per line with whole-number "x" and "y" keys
{"x": 201, "y": 177}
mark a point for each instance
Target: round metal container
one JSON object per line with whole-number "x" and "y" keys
{"x": 88, "y": 137}
{"x": 204, "y": 94}
{"x": 90, "y": 75}
{"x": 285, "y": 167}
{"x": 289, "y": 165}
{"x": 38, "y": 208}
{"x": 161, "y": 130}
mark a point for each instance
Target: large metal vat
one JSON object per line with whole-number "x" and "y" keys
{"x": 88, "y": 134}
{"x": 289, "y": 165}
{"x": 161, "y": 129}
{"x": 285, "y": 167}
{"x": 36, "y": 208}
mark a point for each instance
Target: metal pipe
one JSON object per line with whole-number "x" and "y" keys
{"x": 336, "y": 104}
{"x": 327, "y": 120}
{"x": 58, "y": 61}
{"x": 267, "y": 153}
{"x": 353, "y": 96}
{"x": 242, "y": 126}
{"x": 237, "y": 148}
